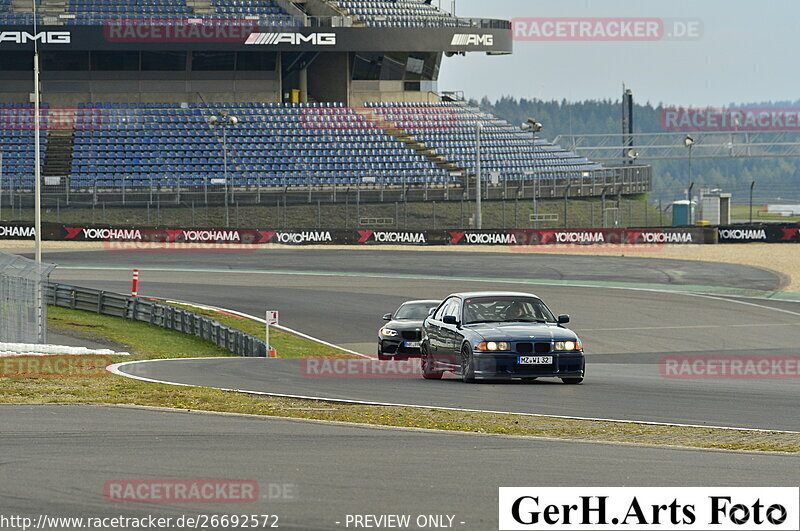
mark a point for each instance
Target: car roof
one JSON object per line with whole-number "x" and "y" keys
{"x": 422, "y": 302}
{"x": 477, "y": 294}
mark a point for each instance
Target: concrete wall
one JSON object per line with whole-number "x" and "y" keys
{"x": 329, "y": 77}
{"x": 362, "y": 92}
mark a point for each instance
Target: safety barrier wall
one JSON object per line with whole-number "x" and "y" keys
{"x": 85, "y": 233}
{"x": 633, "y": 236}
{"x": 777, "y": 233}
{"x": 155, "y": 313}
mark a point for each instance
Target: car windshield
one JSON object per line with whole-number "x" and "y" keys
{"x": 414, "y": 311}
{"x": 505, "y": 310}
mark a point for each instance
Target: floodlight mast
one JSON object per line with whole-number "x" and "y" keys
{"x": 534, "y": 127}
{"x": 478, "y": 179}
{"x": 37, "y": 171}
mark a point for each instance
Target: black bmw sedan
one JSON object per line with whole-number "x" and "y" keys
{"x": 499, "y": 335}
{"x": 401, "y": 336}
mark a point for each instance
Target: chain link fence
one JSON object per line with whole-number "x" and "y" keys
{"x": 611, "y": 212}
{"x": 23, "y": 313}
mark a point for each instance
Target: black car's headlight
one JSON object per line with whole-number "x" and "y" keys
{"x": 569, "y": 345}
{"x": 388, "y": 332}
{"x": 493, "y": 345}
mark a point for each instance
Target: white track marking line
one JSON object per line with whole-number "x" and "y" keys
{"x": 116, "y": 369}
{"x": 681, "y": 327}
{"x": 264, "y": 322}
{"x": 726, "y": 299}
{"x": 535, "y": 282}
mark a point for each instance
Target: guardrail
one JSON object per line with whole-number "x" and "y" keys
{"x": 155, "y": 313}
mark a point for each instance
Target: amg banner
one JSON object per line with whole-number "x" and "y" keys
{"x": 759, "y": 233}
{"x": 245, "y": 35}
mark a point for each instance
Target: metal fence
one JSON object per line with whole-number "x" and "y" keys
{"x": 158, "y": 314}
{"x": 404, "y": 205}
{"x": 23, "y": 315}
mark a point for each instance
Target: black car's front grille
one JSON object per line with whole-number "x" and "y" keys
{"x": 412, "y": 335}
{"x": 540, "y": 347}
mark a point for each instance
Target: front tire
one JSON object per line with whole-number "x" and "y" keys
{"x": 467, "y": 365}
{"x": 426, "y": 364}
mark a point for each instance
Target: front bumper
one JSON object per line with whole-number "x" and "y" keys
{"x": 505, "y": 366}
{"x": 396, "y": 347}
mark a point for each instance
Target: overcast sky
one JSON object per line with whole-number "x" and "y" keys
{"x": 748, "y": 52}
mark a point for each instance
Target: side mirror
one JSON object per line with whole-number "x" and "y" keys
{"x": 387, "y": 317}
{"x": 563, "y": 319}
{"x": 450, "y": 320}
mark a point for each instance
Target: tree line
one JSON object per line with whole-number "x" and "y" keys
{"x": 776, "y": 179}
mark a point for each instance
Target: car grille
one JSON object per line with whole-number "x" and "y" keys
{"x": 412, "y": 335}
{"x": 542, "y": 348}
{"x": 539, "y": 347}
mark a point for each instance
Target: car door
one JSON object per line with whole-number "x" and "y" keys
{"x": 451, "y": 333}
{"x": 433, "y": 329}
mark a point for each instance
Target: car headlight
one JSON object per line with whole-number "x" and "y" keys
{"x": 388, "y": 332}
{"x": 494, "y": 345}
{"x": 569, "y": 345}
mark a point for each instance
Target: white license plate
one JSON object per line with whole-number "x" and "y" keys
{"x": 535, "y": 360}
{"x": 412, "y": 344}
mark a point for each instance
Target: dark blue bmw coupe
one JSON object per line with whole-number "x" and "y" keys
{"x": 499, "y": 335}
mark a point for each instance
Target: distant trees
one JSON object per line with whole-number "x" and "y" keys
{"x": 775, "y": 178}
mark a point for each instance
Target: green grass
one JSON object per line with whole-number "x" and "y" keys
{"x": 145, "y": 341}
{"x": 759, "y": 214}
{"x": 142, "y": 339}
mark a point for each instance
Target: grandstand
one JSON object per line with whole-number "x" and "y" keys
{"x": 396, "y": 13}
{"x": 321, "y": 95}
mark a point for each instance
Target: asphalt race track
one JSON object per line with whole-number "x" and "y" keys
{"x": 339, "y": 296}
{"x": 57, "y": 459}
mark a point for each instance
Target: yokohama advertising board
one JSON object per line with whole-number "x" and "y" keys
{"x": 759, "y": 233}
{"x": 580, "y": 237}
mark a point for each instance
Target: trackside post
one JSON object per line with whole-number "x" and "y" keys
{"x": 135, "y": 284}
{"x": 271, "y": 319}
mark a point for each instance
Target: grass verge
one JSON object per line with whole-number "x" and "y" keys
{"x": 760, "y": 214}
{"x": 146, "y": 342}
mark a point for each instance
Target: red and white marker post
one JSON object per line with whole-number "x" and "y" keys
{"x": 135, "y": 284}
